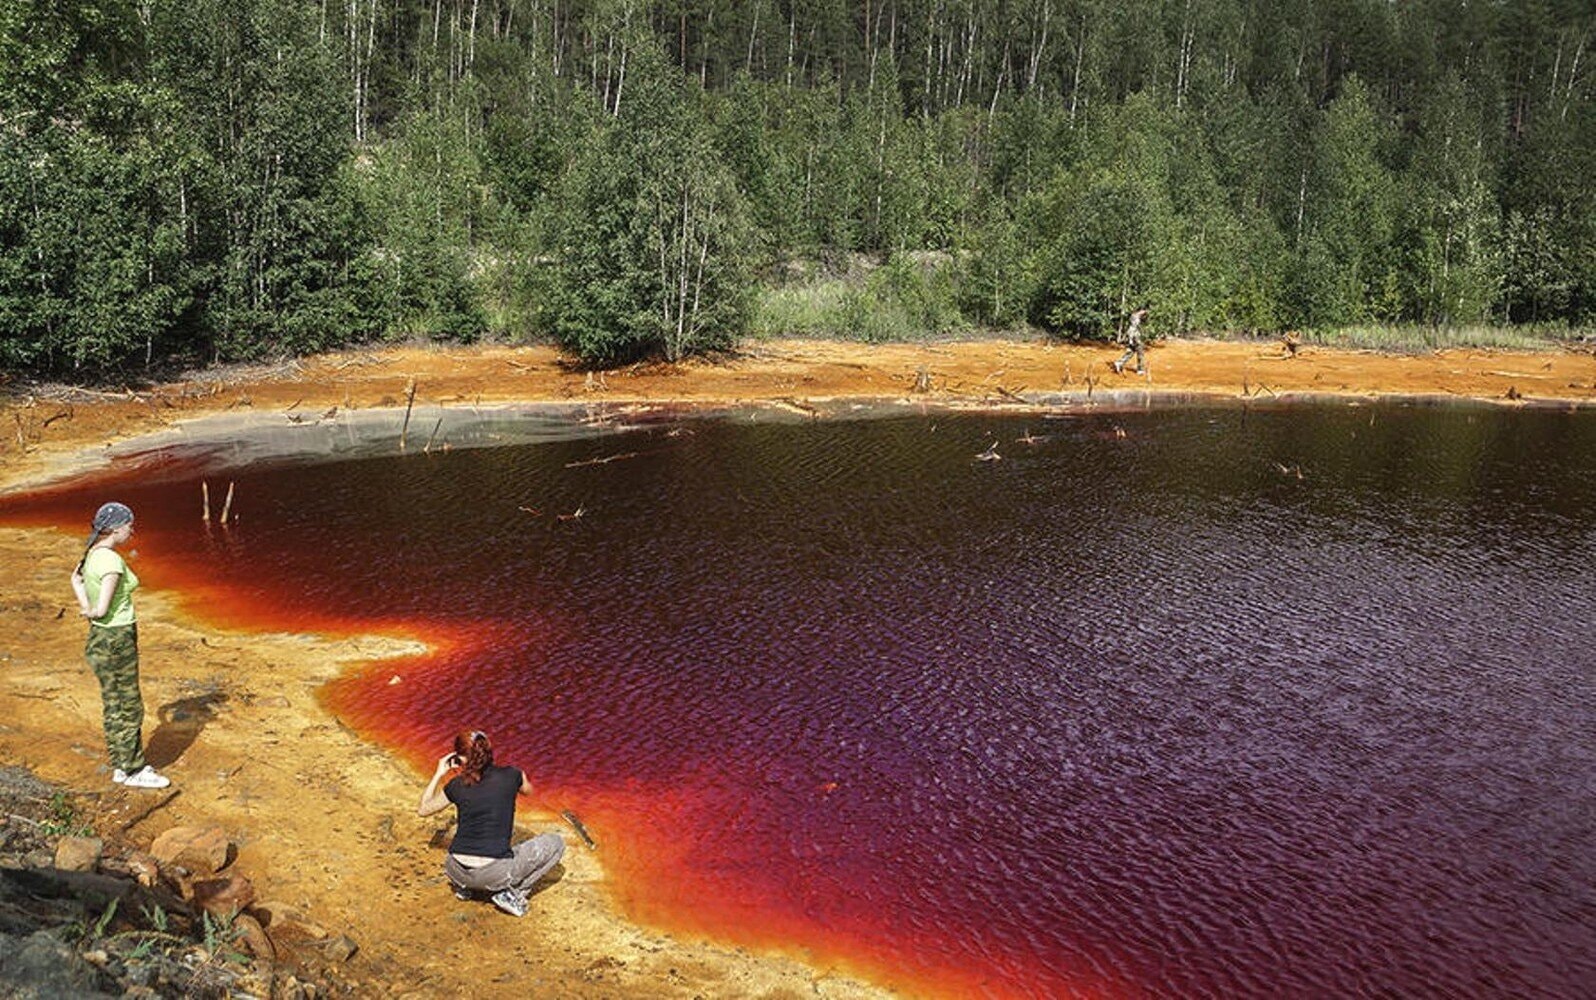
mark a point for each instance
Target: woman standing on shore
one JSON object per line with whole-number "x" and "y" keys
{"x": 104, "y": 587}
{"x": 481, "y": 859}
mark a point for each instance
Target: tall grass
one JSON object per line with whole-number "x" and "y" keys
{"x": 914, "y": 298}
{"x": 907, "y": 299}
{"x": 1419, "y": 339}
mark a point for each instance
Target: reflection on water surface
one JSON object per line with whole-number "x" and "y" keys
{"x": 1210, "y": 702}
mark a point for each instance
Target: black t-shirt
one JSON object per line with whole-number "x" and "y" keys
{"x": 487, "y": 812}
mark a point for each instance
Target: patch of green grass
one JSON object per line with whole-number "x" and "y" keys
{"x": 906, "y": 299}
{"x": 1418, "y": 339}
{"x": 813, "y": 309}
{"x": 64, "y": 820}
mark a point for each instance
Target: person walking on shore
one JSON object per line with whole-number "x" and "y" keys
{"x": 104, "y": 587}
{"x": 480, "y": 858}
{"x": 1133, "y": 344}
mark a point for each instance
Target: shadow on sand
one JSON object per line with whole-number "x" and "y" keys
{"x": 181, "y": 723}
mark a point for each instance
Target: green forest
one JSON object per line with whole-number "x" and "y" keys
{"x": 221, "y": 180}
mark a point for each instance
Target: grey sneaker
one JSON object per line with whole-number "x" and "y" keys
{"x": 144, "y": 777}
{"x": 463, "y": 894}
{"x": 511, "y": 901}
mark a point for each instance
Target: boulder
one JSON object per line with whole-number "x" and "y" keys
{"x": 253, "y": 937}
{"x": 41, "y": 965}
{"x": 340, "y": 949}
{"x": 199, "y": 850}
{"x": 225, "y": 896}
{"x": 144, "y": 868}
{"x": 78, "y": 854}
{"x": 276, "y": 916}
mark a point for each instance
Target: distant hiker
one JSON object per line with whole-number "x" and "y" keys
{"x": 481, "y": 859}
{"x": 1133, "y": 344}
{"x": 104, "y": 587}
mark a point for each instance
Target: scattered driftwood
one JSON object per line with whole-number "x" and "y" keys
{"x": 1013, "y": 395}
{"x": 990, "y": 455}
{"x": 227, "y": 505}
{"x": 90, "y": 890}
{"x": 581, "y": 830}
{"x": 574, "y": 515}
{"x": 363, "y": 361}
{"x": 801, "y": 407}
{"x": 205, "y": 499}
{"x": 432, "y": 437}
{"x": 1289, "y": 470}
{"x": 77, "y": 390}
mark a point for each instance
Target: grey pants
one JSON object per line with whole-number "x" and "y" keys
{"x": 531, "y": 860}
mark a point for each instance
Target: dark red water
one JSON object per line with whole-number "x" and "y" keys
{"x": 1134, "y": 711}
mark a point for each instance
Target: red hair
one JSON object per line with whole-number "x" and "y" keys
{"x": 474, "y": 752}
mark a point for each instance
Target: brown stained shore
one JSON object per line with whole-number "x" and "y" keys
{"x": 325, "y": 820}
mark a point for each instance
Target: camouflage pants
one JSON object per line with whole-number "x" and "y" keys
{"x": 1133, "y": 348}
{"x": 114, "y": 654}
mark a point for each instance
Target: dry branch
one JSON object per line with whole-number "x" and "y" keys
{"x": 410, "y": 400}
{"x": 602, "y": 461}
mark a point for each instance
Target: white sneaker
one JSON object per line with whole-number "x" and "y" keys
{"x": 511, "y": 902}
{"x": 145, "y": 777}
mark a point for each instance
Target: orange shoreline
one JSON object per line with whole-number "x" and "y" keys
{"x": 360, "y": 860}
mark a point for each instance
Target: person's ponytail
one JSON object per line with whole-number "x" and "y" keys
{"x": 83, "y": 559}
{"x": 475, "y": 754}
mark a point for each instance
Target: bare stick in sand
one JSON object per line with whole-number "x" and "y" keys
{"x": 410, "y": 400}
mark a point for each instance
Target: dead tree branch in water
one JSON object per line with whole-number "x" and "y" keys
{"x": 410, "y": 400}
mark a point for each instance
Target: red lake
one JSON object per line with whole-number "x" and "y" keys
{"x": 1200, "y": 702}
